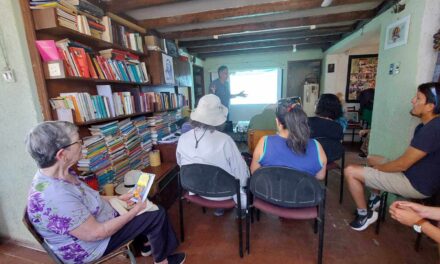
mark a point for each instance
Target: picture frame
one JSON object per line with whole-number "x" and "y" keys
{"x": 361, "y": 75}
{"x": 330, "y": 67}
{"x": 397, "y": 33}
{"x": 352, "y": 116}
{"x": 168, "y": 69}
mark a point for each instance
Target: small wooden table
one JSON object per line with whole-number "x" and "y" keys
{"x": 354, "y": 127}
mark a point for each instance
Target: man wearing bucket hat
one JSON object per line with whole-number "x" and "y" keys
{"x": 205, "y": 144}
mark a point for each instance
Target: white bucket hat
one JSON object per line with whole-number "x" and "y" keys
{"x": 210, "y": 111}
{"x": 130, "y": 180}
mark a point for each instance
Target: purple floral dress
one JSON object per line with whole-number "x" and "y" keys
{"x": 56, "y": 207}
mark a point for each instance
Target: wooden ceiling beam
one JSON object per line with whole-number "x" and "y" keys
{"x": 260, "y": 50}
{"x": 118, "y": 6}
{"x": 267, "y": 36}
{"x": 265, "y": 44}
{"x": 296, "y": 22}
{"x": 240, "y": 12}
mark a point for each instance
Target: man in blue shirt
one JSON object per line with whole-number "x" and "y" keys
{"x": 220, "y": 87}
{"x": 415, "y": 174}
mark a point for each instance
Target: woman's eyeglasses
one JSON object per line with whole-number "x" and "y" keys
{"x": 80, "y": 141}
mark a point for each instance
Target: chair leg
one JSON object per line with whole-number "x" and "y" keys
{"x": 315, "y": 226}
{"x": 182, "y": 232}
{"x": 382, "y": 210}
{"x": 341, "y": 185}
{"x": 258, "y": 214}
{"x": 204, "y": 210}
{"x": 240, "y": 234}
{"x": 131, "y": 256}
{"x": 326, "y": 177}
{"x": 248, "y": 229}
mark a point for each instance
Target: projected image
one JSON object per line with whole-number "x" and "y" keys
{"x": 261, "y": 86}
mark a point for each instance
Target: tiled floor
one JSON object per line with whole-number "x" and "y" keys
{"x": 211, "y": 239}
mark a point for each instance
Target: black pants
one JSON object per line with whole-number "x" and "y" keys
{"x": 153, "y": 225}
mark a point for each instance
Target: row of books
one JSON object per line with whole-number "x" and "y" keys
{"x": 80, "y": 61}
{"x": 88, "y": 19}
{"x": 108, "y": 104}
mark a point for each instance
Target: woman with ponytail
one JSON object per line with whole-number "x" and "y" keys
{"x": 292, "y": 146}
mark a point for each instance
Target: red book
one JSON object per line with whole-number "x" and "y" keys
{"x": 91, "y": 68}
{"x": 80, "y": 58}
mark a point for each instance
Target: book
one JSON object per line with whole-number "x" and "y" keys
{"x": 48, "y": 50}
{"x": 142, "y": 187}
{"x": 122, "y": 207}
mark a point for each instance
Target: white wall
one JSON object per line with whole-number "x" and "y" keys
{"x": 19, "y": 111}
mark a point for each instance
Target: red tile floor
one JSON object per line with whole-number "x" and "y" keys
{"x": 211, "y": 239}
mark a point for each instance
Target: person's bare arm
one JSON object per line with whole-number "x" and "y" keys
{"x": 411, "y": 156}
{"x": 257, "y": 154}
{"x": 92, "y": 230}
{"x": 428, "y": 212}
{"x": 240, "y": 94}
{"x": 321, "y": 174}
{"x": 408, "y": 217}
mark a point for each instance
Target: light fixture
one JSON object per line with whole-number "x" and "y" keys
{"x": 312, "y": 27}
{"x": 215, "y": 36}
{"x": 326, "y": 3}
{"x": 294, "y": 48}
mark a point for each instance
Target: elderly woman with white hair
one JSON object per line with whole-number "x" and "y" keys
{"x": 78, "y": 224}
{"x": 206, "y": 144}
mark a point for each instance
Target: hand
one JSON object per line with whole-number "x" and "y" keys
{"x": 421, "y": 210}
{"x": 213, "y": 88}
{"x": 139, "y": 206}
{"x": 363, "y": 132}
{"x": 242, "y": 94}
{"x": 404, "y": 215}
{"x": 126, "y": 197}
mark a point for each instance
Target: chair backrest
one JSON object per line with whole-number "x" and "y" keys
{"x": 334, "y": 150}
{"x": 286, "y": 187}
{"x": 255, "y": 135}
{"x": 208, "y": 180}
{"x": 38, "y": 237}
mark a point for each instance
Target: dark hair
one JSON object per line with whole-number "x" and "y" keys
{"x": 329, "y": 106}
{"x": 221, "y": 68}
{"x": 431, "y": 97}
{"x": 366, "y": 99}
{"x": 201, "y": 125}
{"x": 295, "y": 121}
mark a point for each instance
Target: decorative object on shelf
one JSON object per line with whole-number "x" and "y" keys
{"x": 399, "y": 6}
{"x": 168, "y": 70}
{"x": 397, "y": 33}
{"x": 155, "y": 158}
{"x": 361, "y": 75}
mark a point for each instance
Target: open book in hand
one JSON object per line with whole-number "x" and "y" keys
{"x": 122, "y": 207}
{"x": 140, "y": 193}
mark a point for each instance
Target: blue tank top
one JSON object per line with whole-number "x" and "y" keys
{"x": 277, "y": 153}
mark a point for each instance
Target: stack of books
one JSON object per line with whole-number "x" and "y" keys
{"x": 132, "y": 143}
{"x": 95, "y": 159}
{"x": 144, "y": 133}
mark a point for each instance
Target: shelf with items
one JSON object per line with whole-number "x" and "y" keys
{"x": 47, "y": 24}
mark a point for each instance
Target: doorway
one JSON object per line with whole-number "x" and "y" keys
{"x": 199, "y": 84}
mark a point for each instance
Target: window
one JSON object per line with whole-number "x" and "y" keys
{"x": 261, "y": 86}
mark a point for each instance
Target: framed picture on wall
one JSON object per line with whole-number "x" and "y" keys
{"x": 361, "y": 75}
{"x": 397, "y": 33}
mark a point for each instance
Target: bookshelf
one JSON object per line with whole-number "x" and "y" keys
{"x": 44, "y": 24}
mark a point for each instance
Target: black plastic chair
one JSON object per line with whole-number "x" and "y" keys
{"x": 209, "y": 181}
{"x": 125, "y": 249}
{"x": 335, "y": 151}
{"x": 288, "y": 194}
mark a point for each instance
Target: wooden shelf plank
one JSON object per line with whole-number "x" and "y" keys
{"x": 73, "y": 78}
{"x": 88, "y": 40}
{"x": 96, "y": 121}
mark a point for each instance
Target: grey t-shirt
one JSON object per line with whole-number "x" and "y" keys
{"x": 56, "y": 207}
{"x": 223, "y": 91}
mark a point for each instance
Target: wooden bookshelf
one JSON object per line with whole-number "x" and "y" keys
{"x": 46, "y": 25}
